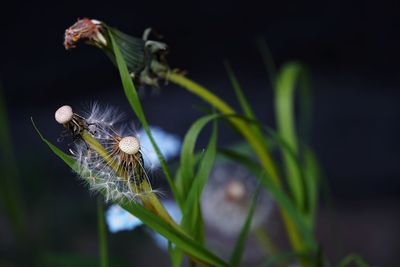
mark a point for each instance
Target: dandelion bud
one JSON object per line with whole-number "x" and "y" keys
{"x": 129, "y": 144}
{"x": 64, "y": 114}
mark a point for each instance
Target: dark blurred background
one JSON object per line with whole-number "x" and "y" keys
{"x": 351, "y": 49}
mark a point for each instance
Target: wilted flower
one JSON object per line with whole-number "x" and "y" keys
{"x": 145, "y": 58}
{"x": 84, "y": 29}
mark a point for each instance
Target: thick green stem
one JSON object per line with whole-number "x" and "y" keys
{"x": 257, "y": 145}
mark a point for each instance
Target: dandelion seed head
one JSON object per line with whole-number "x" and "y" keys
{"x": 227, "y": 198}
{"x": 64, "y": 114}
{"x": 129, "y": 145}
{"x": 100, "y": 177}
{"x": 118, "y": 172}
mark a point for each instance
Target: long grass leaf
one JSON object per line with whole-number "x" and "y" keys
{"x": 244, "y": 104}
{"x": 102, "y": 232}
{"x": 268, "y": 60}
{"x": 284, "y": 112}
{"x": 186, "y": 170}
{"x": 10, "y": 189}
{"x": 241, "y": 241}
{"x": 192, "y": 219}
{"x": 312, "y": 175}
{"x": 180, "y": 239}
{"x": 133, "y": 98}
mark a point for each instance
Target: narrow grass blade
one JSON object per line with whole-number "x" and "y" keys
{"x": 192, "y": 219}
{"x": 180, "y": 239}
{"x": 10, "y": 189}
{"x": 187, "y": 167}
{"x": 102, "y": 230}
{"x": 133, "y": 98}
{"x": 241, "y": 241}
{"x": 244, "y": 104}
{"x": 312, "y": 175}
{"x": 267, "y": 59}
{"x": 284, "y": 112}
{"x": 65, "y": 157}
{"x": 358, "y": 260}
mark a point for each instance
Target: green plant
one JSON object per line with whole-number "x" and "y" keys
{"x": 294, "y": 187}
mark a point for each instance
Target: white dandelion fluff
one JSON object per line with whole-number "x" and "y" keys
{"x": 227, "y": 197}
{"x": 115, "y": 167}
{"x": 106, "y": 116}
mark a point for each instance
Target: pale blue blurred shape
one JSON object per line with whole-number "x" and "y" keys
{"x": 120, "y": 220}
{"x": 169, "y": 144}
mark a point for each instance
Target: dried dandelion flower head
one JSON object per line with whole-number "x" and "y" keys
{"x": 145, "y": 57}
{"x": 84, "y": 29}
{"x": 108, "y": 154}
{"x": 227, "y": 197}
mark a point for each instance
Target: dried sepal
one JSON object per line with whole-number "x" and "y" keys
{"x": 87, "y": 30}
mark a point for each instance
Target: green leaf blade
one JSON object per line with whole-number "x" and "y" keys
{"x": 182, "y": 240}
{"x": 133, "y": 98}
{"x": 241, "y": 241}
{"x": 102, "y": 233}
{"x": 185, "y": 179}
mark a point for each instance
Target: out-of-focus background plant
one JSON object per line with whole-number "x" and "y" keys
{"x": 49, "y": 219}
